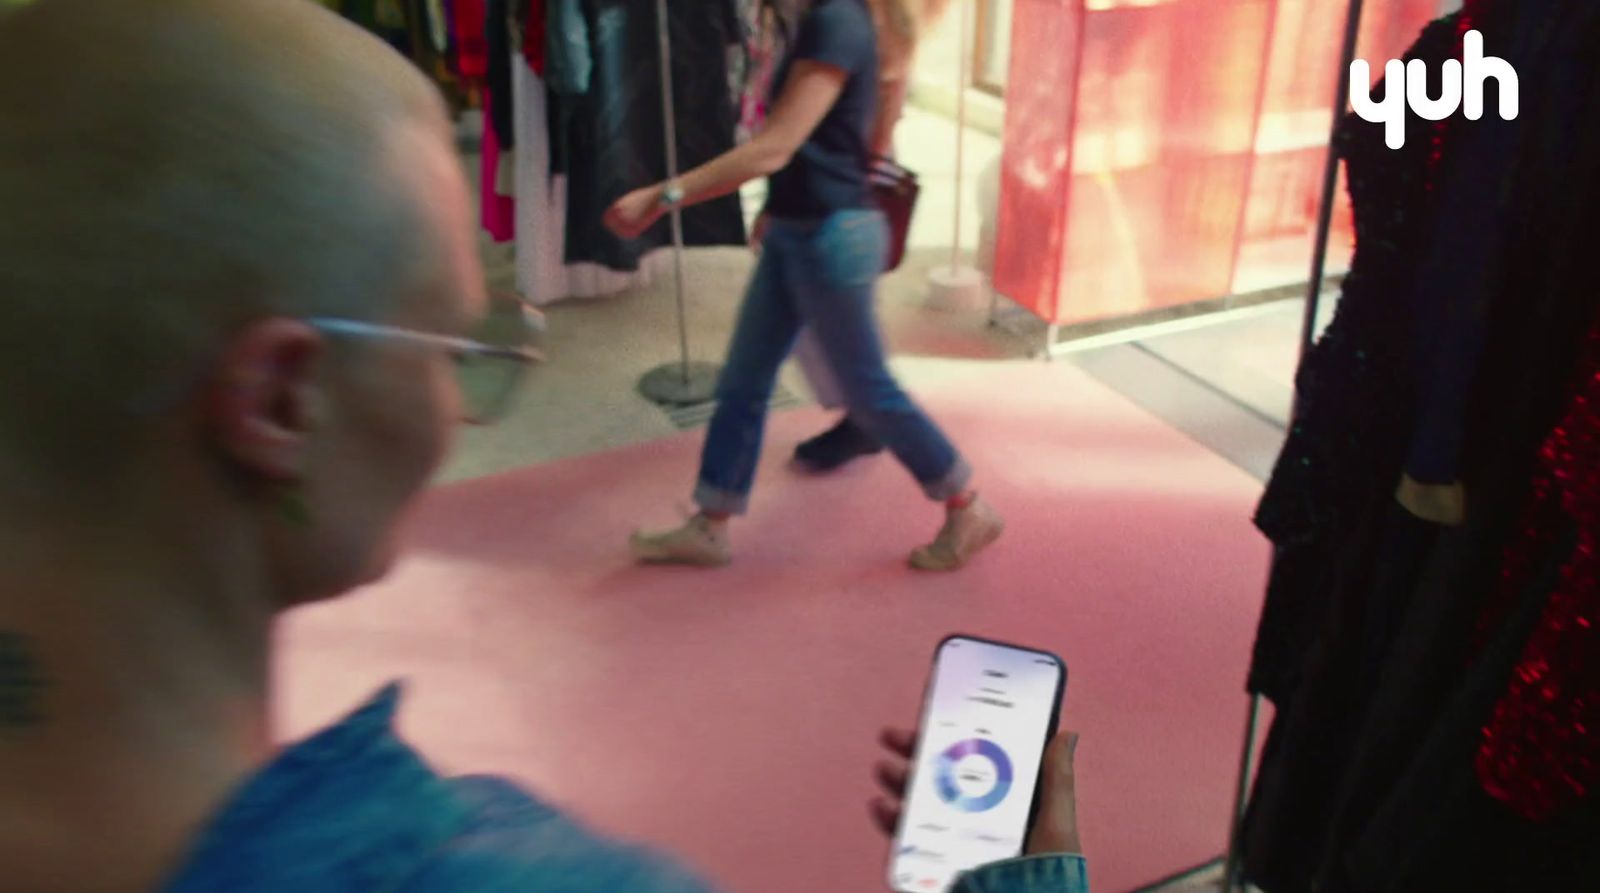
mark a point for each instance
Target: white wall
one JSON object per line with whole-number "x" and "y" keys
{"x": 934, "y": 79}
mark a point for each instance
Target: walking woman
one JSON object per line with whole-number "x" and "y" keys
{"x": 824, "y": 247}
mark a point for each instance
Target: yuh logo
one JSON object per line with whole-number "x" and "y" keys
{"x": 1407, "y": 84}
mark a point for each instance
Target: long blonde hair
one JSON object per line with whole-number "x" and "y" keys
{"x": 899, "y": 24}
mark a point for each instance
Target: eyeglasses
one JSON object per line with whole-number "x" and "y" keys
{"x": 489, "y": 374}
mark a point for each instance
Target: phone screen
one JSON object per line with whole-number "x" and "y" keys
{"x": 990, "y": 711}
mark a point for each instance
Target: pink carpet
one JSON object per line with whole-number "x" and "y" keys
{"x": 730, "y": 715}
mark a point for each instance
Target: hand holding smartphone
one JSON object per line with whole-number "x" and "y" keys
{"x": 972, "y": 793}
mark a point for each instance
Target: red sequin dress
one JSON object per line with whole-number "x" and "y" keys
{"x": 1541, "y": 748}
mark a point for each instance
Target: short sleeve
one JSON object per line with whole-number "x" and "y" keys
{"x": 838, "y": 34}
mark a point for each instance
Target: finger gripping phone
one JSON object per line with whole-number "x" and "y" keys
{"x": 988, "y": 713}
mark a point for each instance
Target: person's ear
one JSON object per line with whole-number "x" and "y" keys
{"x": 265, "y": 398}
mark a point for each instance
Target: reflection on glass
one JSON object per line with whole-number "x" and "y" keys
{"x": 1159, "y": 152}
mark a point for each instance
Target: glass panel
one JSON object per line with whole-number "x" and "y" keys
{"x": 1195, "y": 132}
{"x": 1160, "y": 139}
{"x": 1040, "y": 99}
{"x": 1292, "y": 138}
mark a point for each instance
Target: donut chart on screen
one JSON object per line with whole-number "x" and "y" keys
{"x": 945, "y": 775}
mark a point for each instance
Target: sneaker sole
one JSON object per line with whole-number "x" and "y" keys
{"x": 650, "y": 556}
{"x": 681, "y": 562}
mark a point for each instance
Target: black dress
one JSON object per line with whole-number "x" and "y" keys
{"x": 1370, "y": 644}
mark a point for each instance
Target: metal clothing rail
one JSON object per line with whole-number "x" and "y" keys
{"x": 682, "y": 383}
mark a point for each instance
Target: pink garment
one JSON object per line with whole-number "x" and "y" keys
{"x": 499, "y": 212}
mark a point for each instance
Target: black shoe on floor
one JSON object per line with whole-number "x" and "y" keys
{"x": 836, "y": 447}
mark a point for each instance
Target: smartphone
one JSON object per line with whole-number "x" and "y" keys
{"x": 988, "y": 713}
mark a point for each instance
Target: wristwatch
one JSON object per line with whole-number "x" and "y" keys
{"x": 672, "y": 194}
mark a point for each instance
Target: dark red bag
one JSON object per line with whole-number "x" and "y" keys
{"x": 895, "y": 190}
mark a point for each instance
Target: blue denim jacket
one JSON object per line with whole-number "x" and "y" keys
{"x": 354, "y": 809}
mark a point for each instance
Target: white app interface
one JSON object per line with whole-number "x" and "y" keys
{"x": 983, "y": 735}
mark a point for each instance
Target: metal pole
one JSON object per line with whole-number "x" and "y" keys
{"x": 683, "y": 383}
{"x": 669, "y": 114}
{"x": 1330, "y": 178}
{"x": 1308, "y": 329}
{"x": 961, "y": 128}
{"x": 1230, "y": 877}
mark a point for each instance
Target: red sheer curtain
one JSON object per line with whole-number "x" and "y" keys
{"x": 1291, "y": 140}
{"x": 1168, "y": 151}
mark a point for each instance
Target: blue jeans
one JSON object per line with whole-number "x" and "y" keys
{"x": 819, "y": 274}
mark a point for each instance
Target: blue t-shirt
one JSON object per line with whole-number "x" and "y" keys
{"x": 829, "y": 173}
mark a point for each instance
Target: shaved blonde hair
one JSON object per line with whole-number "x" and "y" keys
{"x": 171, "y": 170}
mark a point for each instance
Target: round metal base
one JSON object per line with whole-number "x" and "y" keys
{"x": 667, "y": 385}
{"x": 954, "y": 289}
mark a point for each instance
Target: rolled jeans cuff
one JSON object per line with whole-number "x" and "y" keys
{"x": 719, "y": 501}
{"x": 952, "y": 484}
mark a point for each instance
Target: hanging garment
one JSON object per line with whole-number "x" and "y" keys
{"x": 1374, "y": 644}
{"x": 569, "y": 58}
{"x": 1541, "y": 749}
{"x": 385, "y": 18}
{"x": 567, "y": 64}
{"x": 1540, "y": 753}
{"x": 614, "y": 133}
{"x": 499, "y": 210}
{"x": 389, "y": 13}
{"x": 543, "y": 274}
{"x": 471, "y": 38}
{"x": 497, "y": 38}
{"x": 437, "y": 25}
{"x": 535, "y": 37}
{"x": 1351, "y": 419}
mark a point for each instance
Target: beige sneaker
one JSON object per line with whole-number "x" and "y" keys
{"x": 700, "y": 542}
{"x": 965, "y": 533}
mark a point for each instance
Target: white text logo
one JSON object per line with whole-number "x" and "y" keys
{"x": 1407, "y": 84}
